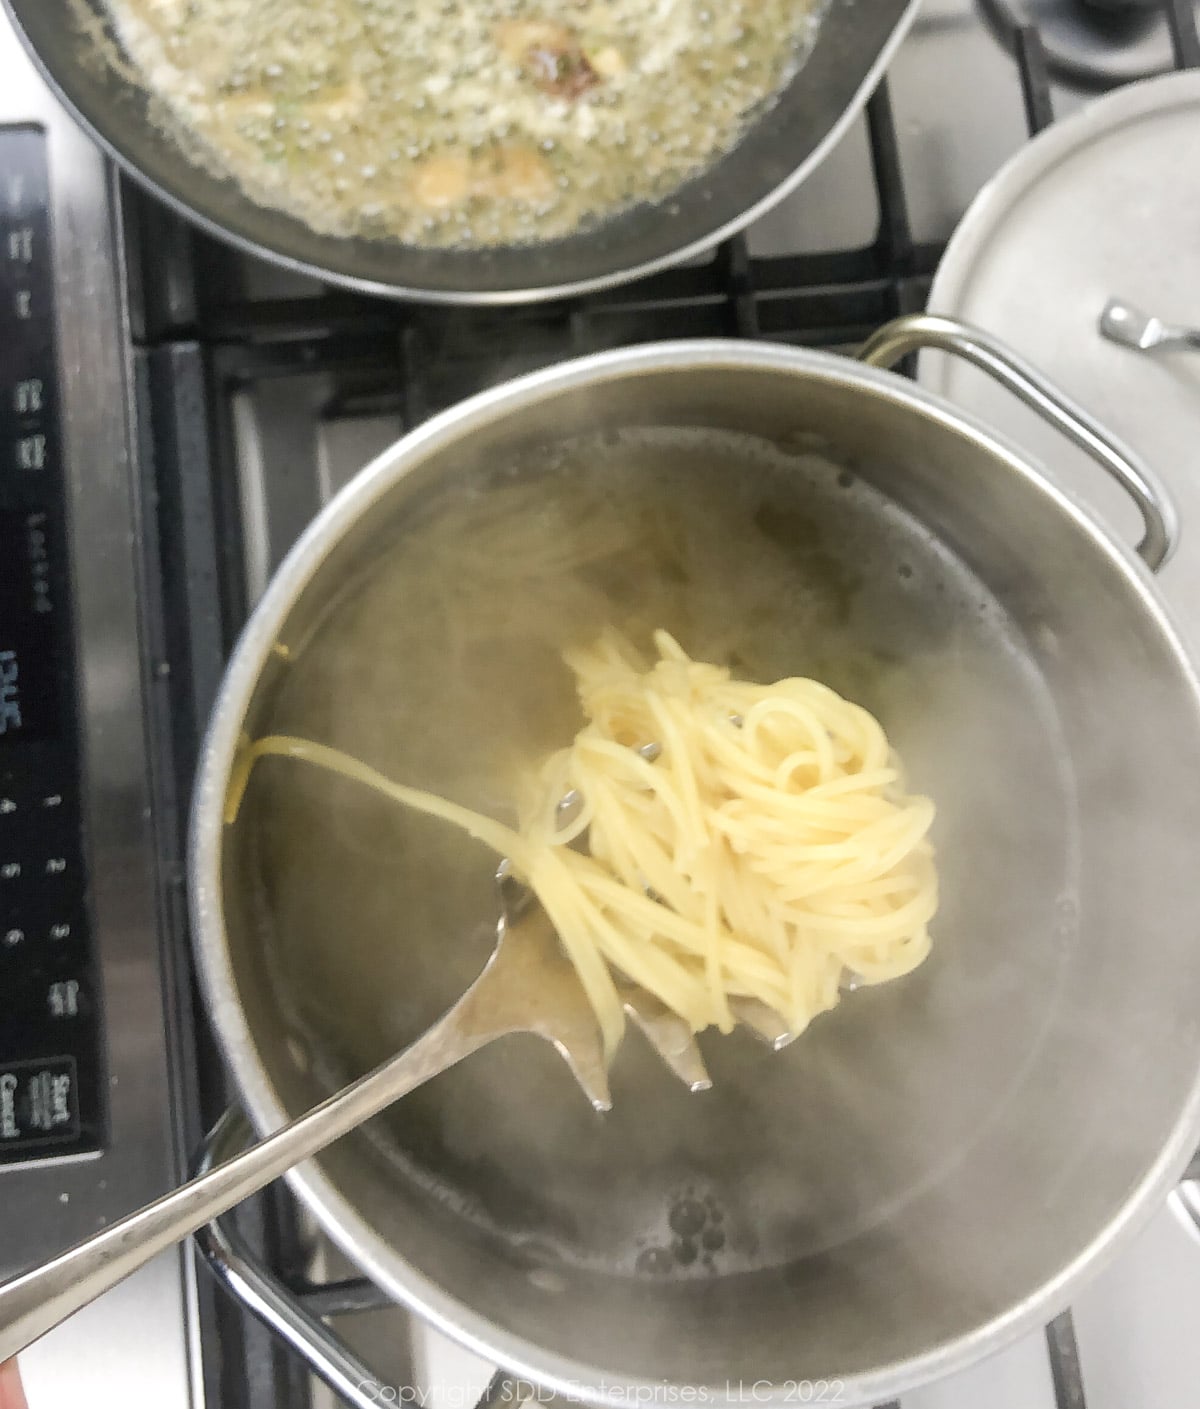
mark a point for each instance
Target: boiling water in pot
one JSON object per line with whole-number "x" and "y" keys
{"x": 440, "y": 666}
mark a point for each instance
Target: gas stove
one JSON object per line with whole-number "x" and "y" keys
{"x": 193, "y": 409}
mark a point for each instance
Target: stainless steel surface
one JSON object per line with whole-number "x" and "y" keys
{"x": 1088, "y": 625}
{"x": 1037, "y": 258}
{"x": 133, "y": 1347}
{"x": 1186, "y": 1201}
{"x": 244, "y": 1276}
{"x": 528, "y": 986}
{"x": 1121, "y": 323}
{"x": 853, "y": 48}
{"x": 1142, "y": 240}
{"x": 921, "y": 331}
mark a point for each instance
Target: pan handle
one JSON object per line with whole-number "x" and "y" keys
{"x": 931, "y": 330}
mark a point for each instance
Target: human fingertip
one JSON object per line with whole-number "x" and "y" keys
{"x": 12, "y": 1396}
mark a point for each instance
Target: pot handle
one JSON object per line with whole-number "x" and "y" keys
{"x": 295, "y": 1314}
{"x": 261, "y": 1292}
{"x": 916, "y": 331}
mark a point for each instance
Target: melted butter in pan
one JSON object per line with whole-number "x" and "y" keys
{"x": 462, "y": 122}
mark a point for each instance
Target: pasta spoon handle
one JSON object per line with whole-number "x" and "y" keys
{"x": 502, "y": 1000}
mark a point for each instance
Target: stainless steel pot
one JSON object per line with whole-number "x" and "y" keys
{"x": 938, "y": 1164}
{"x": 855, "y": 43}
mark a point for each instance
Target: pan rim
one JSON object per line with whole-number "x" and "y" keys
{"x": 508, "y": 297}
{"x": 341, "y": 1221}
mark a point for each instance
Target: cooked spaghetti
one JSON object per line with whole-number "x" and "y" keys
{"x": 743, "y": 841}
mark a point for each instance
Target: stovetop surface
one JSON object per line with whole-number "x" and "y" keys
{"x": 255, "y": 394}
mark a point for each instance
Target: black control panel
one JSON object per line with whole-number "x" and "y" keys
{"x": 52, "y": 1075}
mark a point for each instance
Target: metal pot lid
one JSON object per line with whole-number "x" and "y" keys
{"x": 1105, "y": 203}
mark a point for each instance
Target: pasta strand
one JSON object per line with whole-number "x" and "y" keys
{"x": 765, "y": 852}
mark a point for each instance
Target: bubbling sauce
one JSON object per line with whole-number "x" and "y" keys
{"x": 462, "y": 122}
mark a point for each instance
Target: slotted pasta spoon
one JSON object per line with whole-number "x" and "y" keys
{"x": 528, "y": 985}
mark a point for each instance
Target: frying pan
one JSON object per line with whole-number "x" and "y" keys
{"x": 855, "y": 42}
{"x": 938, "y": 1163}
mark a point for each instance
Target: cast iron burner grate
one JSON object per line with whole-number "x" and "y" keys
{"x": 199, "y": 337}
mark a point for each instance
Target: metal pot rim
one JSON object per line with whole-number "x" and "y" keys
{"x": 341, "y": 1222}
